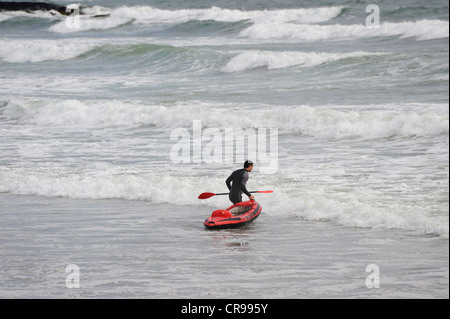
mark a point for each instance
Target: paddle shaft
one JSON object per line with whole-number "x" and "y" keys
{"x": 252, "y": 192}
{"x": 209, "y": 195}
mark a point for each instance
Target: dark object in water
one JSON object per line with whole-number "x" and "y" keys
{"x": 33, "y": 6}
{"x": 42, "y": 6}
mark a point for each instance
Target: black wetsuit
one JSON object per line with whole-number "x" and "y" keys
{"x": 236, "y": 184}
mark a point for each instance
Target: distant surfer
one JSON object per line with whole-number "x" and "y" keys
{"x": 237, "y": 181}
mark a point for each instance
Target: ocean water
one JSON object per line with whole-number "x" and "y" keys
{"x": 355, "y": 120}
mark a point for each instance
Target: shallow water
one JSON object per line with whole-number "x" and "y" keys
{"x": 137, "y": 250}
{"x": 111, "y": 127}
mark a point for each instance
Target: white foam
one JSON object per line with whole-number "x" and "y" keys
{"x": 280, "y": 60}
{"x": 91, "y": 113}
{"x": 4, "y": 17}
{"x": 157, "y": 188}
{"x": 336, "y": 124}
{"x": 150, "y": 15}
{"x": 83, "y": 23}
{"x": 51, "y": 14}
{"x": 353, "y": 209}
{"x": 330, "y": 122}
{"x": 314, "y": 203}
{"x": 20, "y": 51}
{"x": 146, "y": 14}
{"x": 420, "y": 30}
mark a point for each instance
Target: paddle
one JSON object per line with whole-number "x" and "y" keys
{"x": 209, "y": 195}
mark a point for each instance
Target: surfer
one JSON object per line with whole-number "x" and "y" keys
{"x": 237, "y": 181}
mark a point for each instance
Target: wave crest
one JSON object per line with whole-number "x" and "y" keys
{"x": 149, "y": 15}
{"x": 330, "y": 122}
{"x": 22, "y": 51}
{"x": 280, "y": 60}
{"x": 311, "y": 203}
{"x": 420, "y": 30}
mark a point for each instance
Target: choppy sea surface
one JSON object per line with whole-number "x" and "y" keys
{"x": 91, "y": 173}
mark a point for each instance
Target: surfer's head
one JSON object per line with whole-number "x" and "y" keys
{"x": 248, "y": 165}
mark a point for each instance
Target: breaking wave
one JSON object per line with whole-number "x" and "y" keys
{"x": 335, "y": 122}
{"x": 311, "y": 203}
{"x": 22, "y": 51}
{"x": 149, "y": 15}
{"x": 420, "y": 30}
{"x": 280, "y": 60}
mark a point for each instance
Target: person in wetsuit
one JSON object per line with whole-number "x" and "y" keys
{"x": 237, "y": 181}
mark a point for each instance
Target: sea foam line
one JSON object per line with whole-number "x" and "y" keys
{"x": 154, "y": 15}
{"x": 314, "y": 203}
{"x": 335, "y": 122}
{"x": 281, "y": 60}
{"x": 420, "y": 30}
{"x": 22, "y": 51}
{"x": 149, "y": 15}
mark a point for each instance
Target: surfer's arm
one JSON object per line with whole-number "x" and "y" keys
{"x": 228, "y": 181}
{"x": 245, "y": 191}
{"x": 243, "y": 183}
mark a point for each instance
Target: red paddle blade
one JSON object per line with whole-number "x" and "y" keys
{"x": 265, "y": 192}
{"x": 205, "y": 195}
